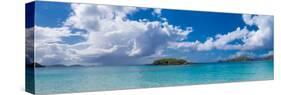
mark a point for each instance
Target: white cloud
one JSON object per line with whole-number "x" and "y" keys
{"x": 243, "y": 53}
{"x": 49, "y": 48}
{"x": 86, "y": 16}
{"x": 54, "y": 53}
{"x": 248, "y": 19}
{"x": 111, "y": 37}
{"x": 262, "y": 38}
{"x": 157, "y": 12}
{"x": 207, "y": 45}
{"x": 220, "y": 42}
{"x": 50, "y": 35}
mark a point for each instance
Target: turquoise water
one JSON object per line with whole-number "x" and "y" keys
{"x": 82, "y": 79}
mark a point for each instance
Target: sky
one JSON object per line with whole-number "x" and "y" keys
{"x": 89, "y": 34}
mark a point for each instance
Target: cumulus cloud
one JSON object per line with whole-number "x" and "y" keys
{"x": 86, "y": 16}
{"x": 262, "y": 38}
{"x": 110, "y": 37}
{"x": 49, "y": 35}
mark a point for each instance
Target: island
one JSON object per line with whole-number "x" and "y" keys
{"x": 38, "y": 65}
{"x": 246, "y": 58}
{"x": 237, "y": 59}
{"x": 170, "y": 61}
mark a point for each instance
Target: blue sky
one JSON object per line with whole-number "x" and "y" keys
{"x": 207, "y": 37}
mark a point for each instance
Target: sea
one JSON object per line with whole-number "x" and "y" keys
{"x": 54, "y": 80}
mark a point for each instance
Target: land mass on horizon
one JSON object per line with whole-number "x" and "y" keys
{"x": 166, "y": 61}
{"x": 247, "y": 58}
{"x": 170, "y": 61}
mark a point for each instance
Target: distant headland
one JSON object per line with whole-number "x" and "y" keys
{"x": 37, "y": 65}
{"x": 247, "y": 58}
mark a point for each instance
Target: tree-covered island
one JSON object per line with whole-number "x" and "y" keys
{"x": 170, "y": 61}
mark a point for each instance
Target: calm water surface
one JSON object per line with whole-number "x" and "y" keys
{"x": 81, "y": 79}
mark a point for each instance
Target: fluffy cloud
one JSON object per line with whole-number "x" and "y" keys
{"x": 262, "y": 38}
{"x": 110, "y": 37}
{"x": 49, "y": 35}
{"x": 85, "y": 16}
{"x": 48, "y": 47}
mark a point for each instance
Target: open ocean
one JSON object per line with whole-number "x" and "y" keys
{"x": 52, "y": 80}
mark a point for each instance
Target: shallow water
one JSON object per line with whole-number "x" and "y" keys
{"x": 82, "y": 79}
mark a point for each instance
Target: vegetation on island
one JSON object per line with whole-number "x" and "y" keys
{"x": 170, "y": 61}
{"x": 237, "y": 59}
{"x": 247, "y": 58}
